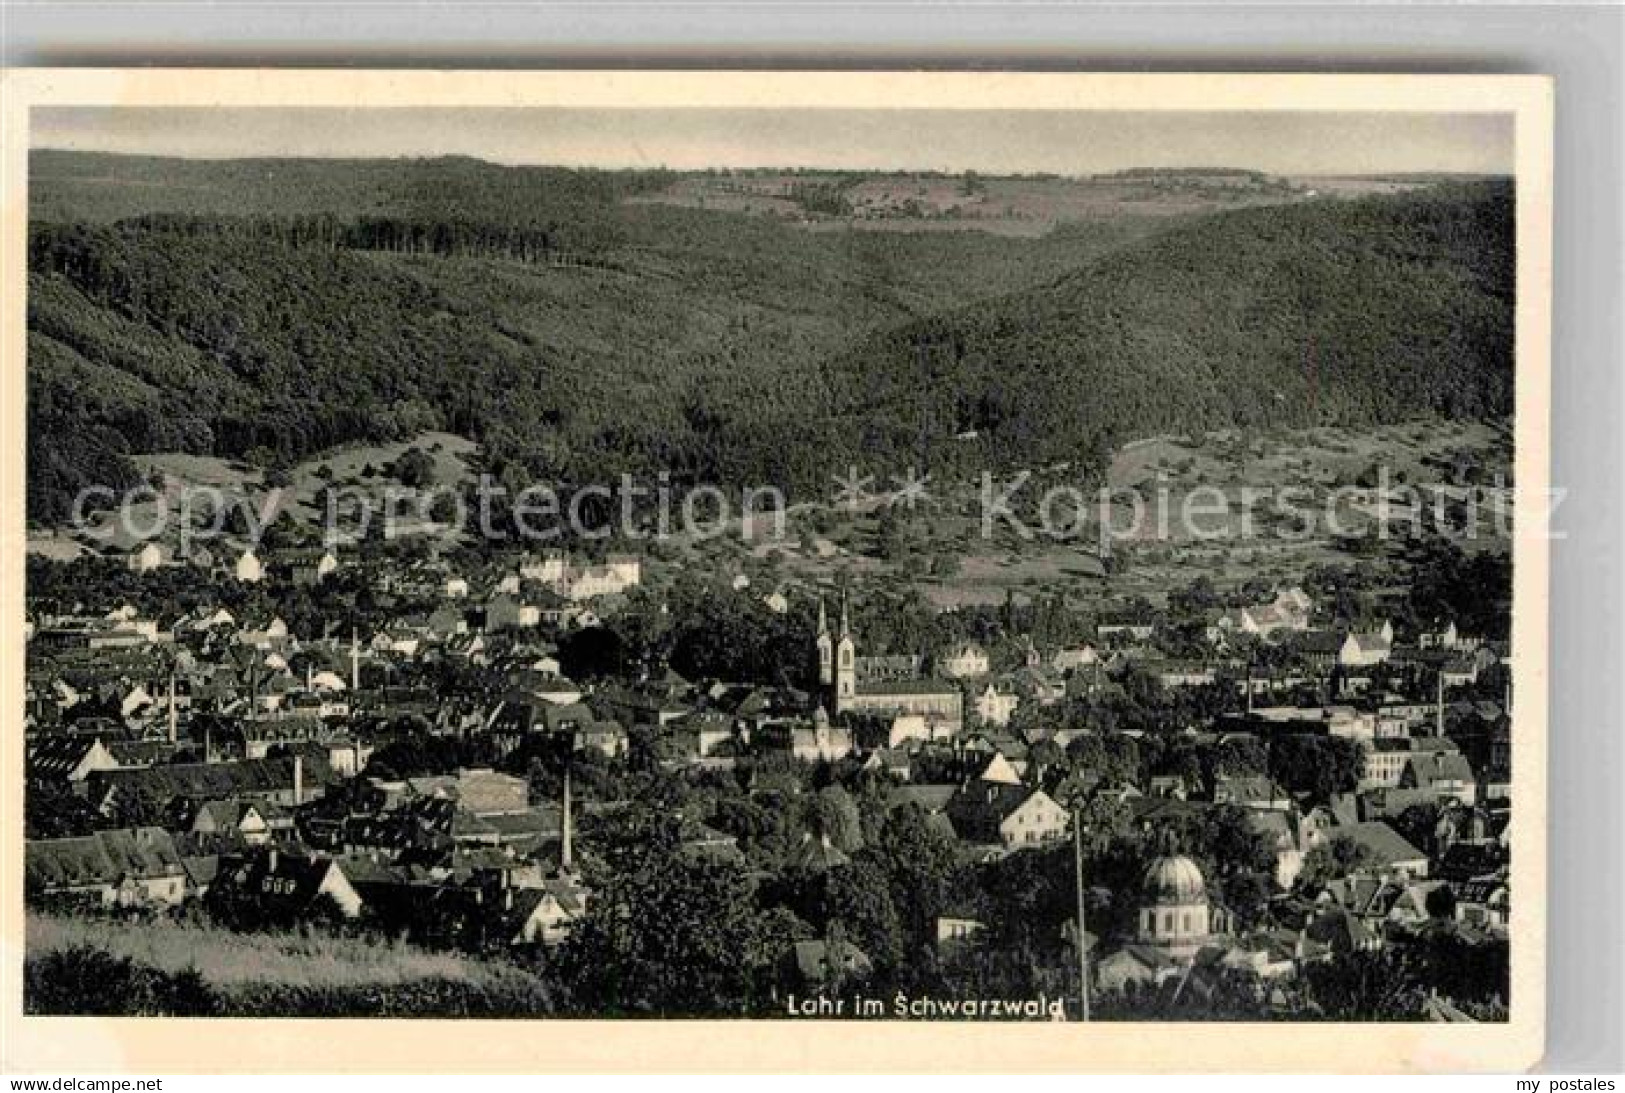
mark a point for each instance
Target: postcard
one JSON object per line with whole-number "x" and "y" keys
{"x": 774, "y": 571}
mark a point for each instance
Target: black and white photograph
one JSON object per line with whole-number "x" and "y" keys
{"x": 768, "y": 563}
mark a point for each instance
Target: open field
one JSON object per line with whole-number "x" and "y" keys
{"x": 1368, "y": 185}
{"x": 356, "y": 470}
{"x": 1004, "y": 206}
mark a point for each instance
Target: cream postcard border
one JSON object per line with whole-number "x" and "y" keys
{"x": 82, "y": 1045}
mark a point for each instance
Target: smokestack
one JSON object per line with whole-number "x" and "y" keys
{"x": 174, "y": 714}
{"x": 1438, "y": 707}
{"x": 355, "y": 662}
{"x": 565, "y": 856}
{"x": 298, "y": 780}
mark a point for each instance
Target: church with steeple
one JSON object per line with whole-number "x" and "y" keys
{"x": 837, "y": 661}
{"x": 844, "y": 686}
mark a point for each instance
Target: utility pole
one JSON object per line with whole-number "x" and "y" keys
{"x": 1083, "y": 933}
{"x": 174, "y": 711}
{"x": 566, "y": 862}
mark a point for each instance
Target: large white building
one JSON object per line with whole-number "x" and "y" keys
{"x": 578, "y": 582}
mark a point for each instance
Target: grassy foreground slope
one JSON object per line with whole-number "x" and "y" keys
{"x": 196, "y": 968}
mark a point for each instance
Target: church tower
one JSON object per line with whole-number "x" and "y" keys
{"x": 846, "y": 666}
{"x": 826, "y": 650}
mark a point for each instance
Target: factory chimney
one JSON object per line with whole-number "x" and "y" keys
{"x": 565, "y": 856}
{"x": 174, "y": 713}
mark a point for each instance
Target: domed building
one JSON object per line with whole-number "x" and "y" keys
{"x": 1175, "y": 915}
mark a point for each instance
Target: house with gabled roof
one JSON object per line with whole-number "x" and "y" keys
{"x": 147, "y": 557}
{"x": 284, "y": 886}
{"x": 1011, "y": 815}
{"x": 816, "y": 964}
{"x": 1074, "y": 658}
{"x": 995, "y": 706}
{"x": 478, "y": 791}
{"x": 959, "y": 931}
{"x": 1000, "y": 770}
{"x": 1362, "y": 649}
{"x": 1133, "y": 965}
{"x": 244, "y": 820}
{"x": 1485, "y": 903}
{"x": 125, "y": 866}
{"x": 67, "y": 759}
{"x": 817, "y": 854}
{"x": 1446, "y": 774}
{"x": 1389, "y": 851}
{"x": 822, "y": 741}
{"x": 1319, "y": 648}
{"x": 1251, "y": 791}
{"x": 1040, "y": 685}
{"x": 542, "y": 915}
{"x": 283, "y": 781}
{"x": 1287, "y": 838}
{"x": 247, "y": 568}
{"x": 890, "y": 762}
{"x": 1336, "y": 931}
{"x": 608, "y": 738}
{"x": 964, "y": 661}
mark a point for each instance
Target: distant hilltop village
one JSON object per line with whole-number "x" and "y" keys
{"x": 437, "y": 749}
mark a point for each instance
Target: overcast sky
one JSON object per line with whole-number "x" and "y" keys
{"x": 1003, "y": 141}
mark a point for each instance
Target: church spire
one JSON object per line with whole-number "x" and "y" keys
{"x": 845, "y": 675}
{"x": 824, "y": 648}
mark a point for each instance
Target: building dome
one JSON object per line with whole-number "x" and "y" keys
{"x": 1174, "y": 879}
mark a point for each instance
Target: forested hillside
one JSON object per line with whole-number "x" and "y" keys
{"x": 267, "y": 310}
{"x": 1321, "y": 313}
